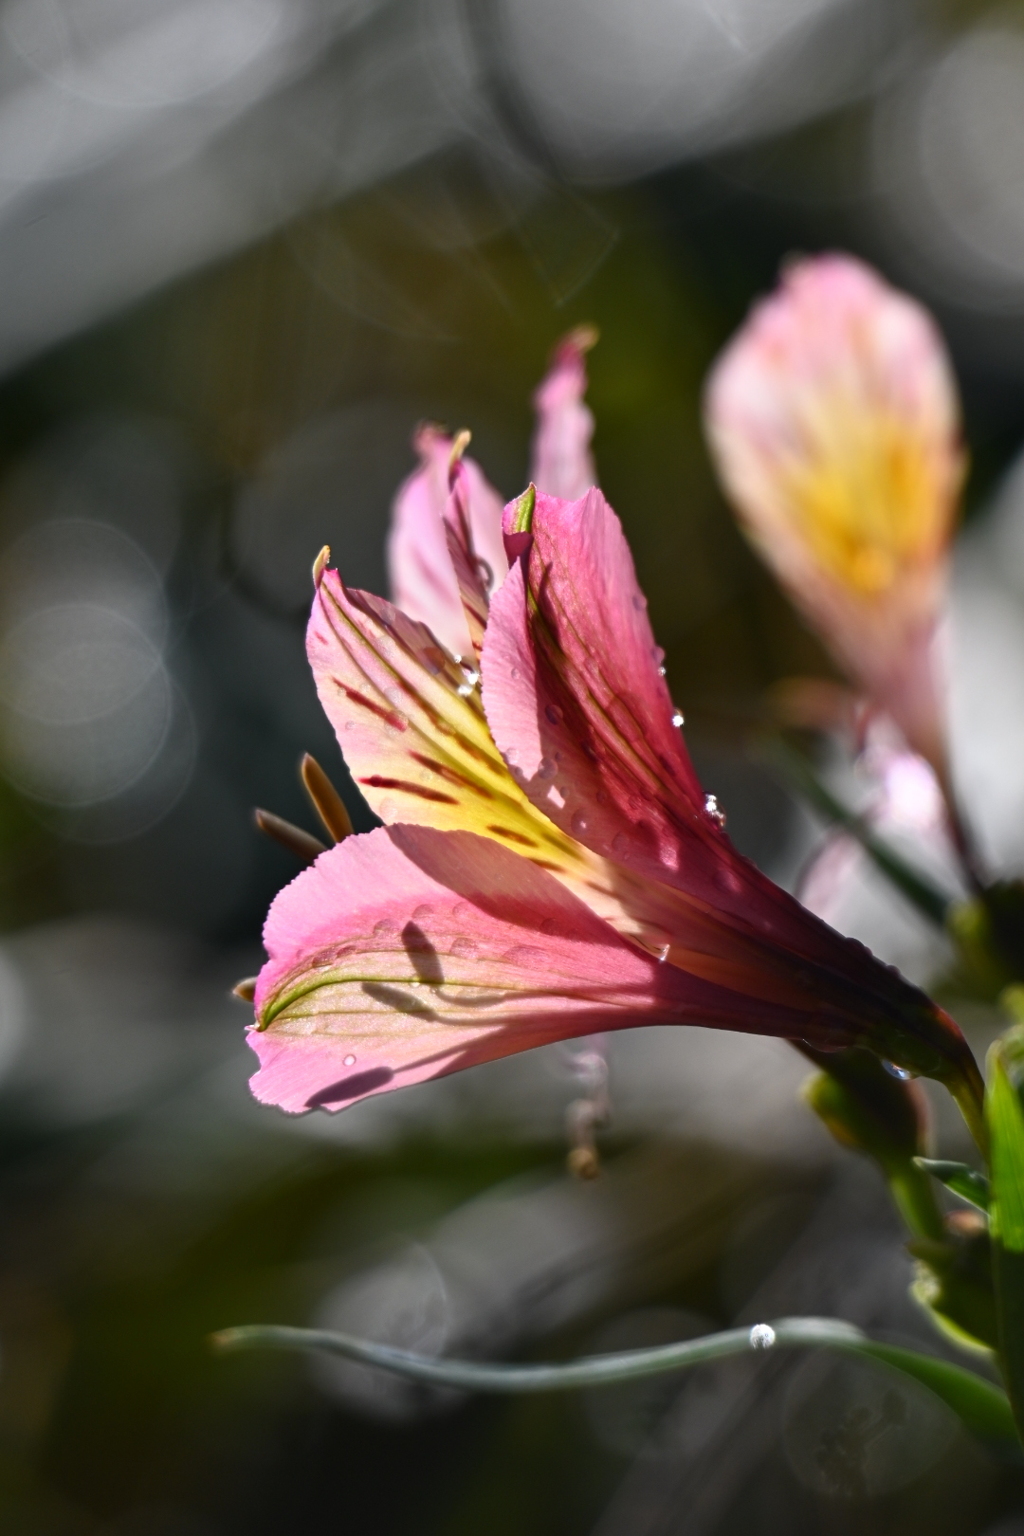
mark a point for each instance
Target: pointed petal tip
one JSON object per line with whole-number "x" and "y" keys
{"x": 320, "y": 565}
{"x": 582, "y": 338}
{"x": 518, "y": 522}
{"x": 460, "y": 443}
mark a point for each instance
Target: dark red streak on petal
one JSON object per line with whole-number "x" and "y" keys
{"x": 514, "y": 837}
{"x": 377, "y": 781}
{"x": 451, "y": 774}
{"x": 387, "y": 715}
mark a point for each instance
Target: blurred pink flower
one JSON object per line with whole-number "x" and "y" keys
{"x": 834, "y": 422}
{"x": 549, "y": 866}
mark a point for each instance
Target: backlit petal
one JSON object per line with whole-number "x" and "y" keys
{"x": 575, "y": 701}
{"x": 562, "y": 461}
{"x": 405, "y": 954}
{"x": 573, "y": 694}
{"x": 423, "y": 583}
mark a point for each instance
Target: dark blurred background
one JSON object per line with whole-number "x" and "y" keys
{"x": 244, "y": 247}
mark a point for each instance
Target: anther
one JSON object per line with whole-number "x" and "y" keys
{"x": 327, "y": 803}
{"x": 303, "y": 844}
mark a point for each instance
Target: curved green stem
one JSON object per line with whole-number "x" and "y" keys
{"x": 982, "y": 1407}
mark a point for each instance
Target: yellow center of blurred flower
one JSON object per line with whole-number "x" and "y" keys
{"x": 868, "y": 496}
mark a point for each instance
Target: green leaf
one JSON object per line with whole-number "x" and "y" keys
{"x": 1006, "y": 1212}
{"x": 960, "y": 1178}
{"x": 982, "y": 1407}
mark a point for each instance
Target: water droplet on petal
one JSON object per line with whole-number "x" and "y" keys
{"x": 464, "y": 948}
{"x": 678, "y": 718}
{"x": 384, "y": 927}
{"x": 464, "y": 690}
{"x": 553, "y": 713}
{"x": 762, "y": 1336}
{"x": 639, "y": 602}
{"x": 579, "y": 824}
{"x": 546, "y": 768}
{"x": 663, "y": 953}
{"x": 661, "y": 671}
{"x": 714, "y": 810}
{"x": 423, "y": 913}
{"x": 659, "y": 655}
{"x": 620, "y": 843}
{"x": 513, "y": 673}
{"x": 899, "y": 1073}
{"x": 350, "y": 1061}
{"x": 472, "y": 675}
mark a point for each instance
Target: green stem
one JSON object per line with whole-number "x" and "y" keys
{"x": 982, "y": 1407}
{"x": 793, "y": 767}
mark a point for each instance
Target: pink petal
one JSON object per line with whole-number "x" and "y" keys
{"x": 423, "y": 583}
{"x": 473, "y": 577}
{"x": 412, "y": 730}
{"x": 573, "y": 694}
{"x": 407, "y": 953}
{"x": 562, "y": 462}
{"x": 575, "y": 702}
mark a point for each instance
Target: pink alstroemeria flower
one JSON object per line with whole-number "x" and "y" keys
{"x": 834, "y": 422}
{"x": 548, "y": 867}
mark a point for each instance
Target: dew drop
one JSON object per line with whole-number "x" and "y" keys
{"x": 546, "y": 768}
{"x": 663, "y": 953}
{"x": 554, "y": 714}
{"x": 659, "y": 655}
{"x": 464, "y": 690}
{"x": 423, "y": 913}
{"x": 472, "y": 675}
{"x": 464, "y": 947}
{"x": 620, "y": 843}
{"x": 349, "y": 1061}
{"x": 350, "y": 725}
{"x": 762, "y": 1336}
{"x": 678, "y": 718}
{"x": 639, "y": 602}
{"x": 661, "y": 671}
{"x": 579, "y": 824}
{"x": 513, "y": 673}
{"x": 461, "y": 911}
{"x": 714, "y": 810}
{"x": 899, "y": 1073}
{"x": 383, "y": 928}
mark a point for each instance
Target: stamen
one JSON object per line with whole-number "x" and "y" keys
{"x": 327, "y": 803}
{"x": 303, "y": 844}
